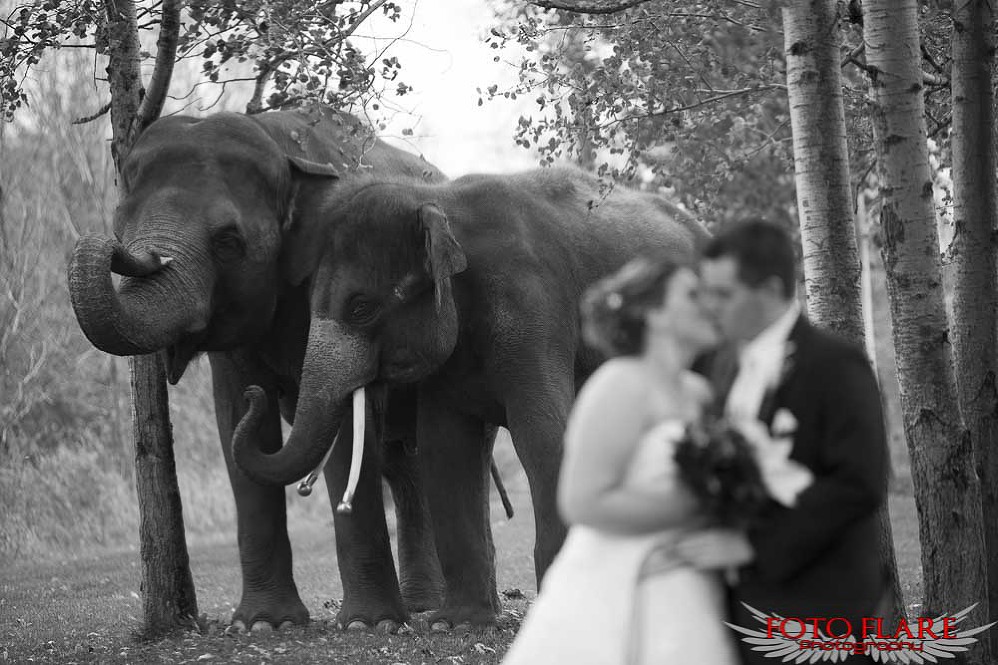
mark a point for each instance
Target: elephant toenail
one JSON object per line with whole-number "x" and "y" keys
{"x": 440, "y": 626}
{"x": 285, "y": 625}
{"x": 388, "y": 626}
{"x": 262, "y": 627}
{"x": 356, "y": 624}
{"x": 237, "y": 628}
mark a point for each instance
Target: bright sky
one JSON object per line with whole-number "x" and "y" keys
{"x": 444, "y": 58}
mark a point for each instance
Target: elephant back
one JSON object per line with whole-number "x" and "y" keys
{"x": 322, "y": 134}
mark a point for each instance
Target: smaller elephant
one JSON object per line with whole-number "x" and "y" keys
{"x": 468, "y": 289}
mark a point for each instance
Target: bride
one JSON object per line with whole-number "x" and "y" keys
{"x": 621, "y": 590}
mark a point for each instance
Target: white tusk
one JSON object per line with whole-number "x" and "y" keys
{"x": 359, "y": 413}
{"x": 165, "y": 260}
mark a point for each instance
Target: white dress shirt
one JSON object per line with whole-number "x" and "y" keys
{"x": 759, "y": 365}
{"x": 760, "y": 362}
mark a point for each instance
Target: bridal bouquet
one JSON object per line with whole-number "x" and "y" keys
{"x": 719, "y": 463}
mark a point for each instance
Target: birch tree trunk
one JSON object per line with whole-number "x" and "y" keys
{"x": 168, "y": 596}
{"x": 973, "y": 253}
{"x": 832, "y": 274}
{"x": 821, "y": 167}
{"x": 947, "y": 489}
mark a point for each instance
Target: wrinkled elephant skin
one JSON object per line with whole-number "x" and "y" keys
{"x": 468, "y": 290}
{"x": 201, "y": 235}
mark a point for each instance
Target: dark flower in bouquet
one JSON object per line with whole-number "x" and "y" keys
{"x": 718, "y": 463}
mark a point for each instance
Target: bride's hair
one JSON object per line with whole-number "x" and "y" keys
{"x": 614, "y": 308}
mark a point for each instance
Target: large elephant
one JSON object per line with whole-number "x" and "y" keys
{"x": 468, "y": 289}
{"x": 200, "y": 238}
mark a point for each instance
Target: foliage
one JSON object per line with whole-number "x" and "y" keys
{"x": 690, "y": 92}
{"x": 689, "y": 95}
{"x": 292, "y": 50}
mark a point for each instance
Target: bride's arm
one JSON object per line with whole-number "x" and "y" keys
{"x": 610, "y": 416}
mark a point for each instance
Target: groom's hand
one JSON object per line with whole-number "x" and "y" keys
{"x": 716, "y": 548}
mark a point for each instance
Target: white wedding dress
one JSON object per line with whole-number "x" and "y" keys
{"x": 609, "y": 599}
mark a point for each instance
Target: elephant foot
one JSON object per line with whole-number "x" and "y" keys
{"x": 354, "y": 617}
{"x": 265, "y": 613}
{"x": 459, "y": 617}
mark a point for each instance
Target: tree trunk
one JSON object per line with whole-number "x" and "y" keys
{"x": 973, "y": 253}
{"x": 832, "y": 273}
{"x": 821, "y": 167}
{"x": 947, "y": 489}
{"x": 169, "y": 599}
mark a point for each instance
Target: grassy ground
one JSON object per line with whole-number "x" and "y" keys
{"x": 84, "y": 610}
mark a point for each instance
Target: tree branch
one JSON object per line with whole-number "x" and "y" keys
{"x": 166, "y": 56}
{"x": 853, "y": 59}
{"x": 705, "y": 102}
{"x": 588, "y": 6}
{"x": 255, "y": 104}
{"x": 363, "y": 17}
{"x": 90, "y": 118}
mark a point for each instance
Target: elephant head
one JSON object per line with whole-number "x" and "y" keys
{"x": 198, "y": 233}
{"x": 383, "y": 311}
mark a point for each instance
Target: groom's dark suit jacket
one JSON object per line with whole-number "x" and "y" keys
{"x": 820, "y": 558}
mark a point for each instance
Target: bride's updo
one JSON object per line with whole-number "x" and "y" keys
{"x": 614, "y": 308}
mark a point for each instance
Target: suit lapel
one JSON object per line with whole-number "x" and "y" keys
{"x": 775, "y": 397}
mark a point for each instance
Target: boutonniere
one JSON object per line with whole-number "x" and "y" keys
{"x": 784, "y": 424}
{"x": 789, "y": 360}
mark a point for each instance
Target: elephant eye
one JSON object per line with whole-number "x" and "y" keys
{"x": 362, "y": 310}
{"x": 227, "y": 244}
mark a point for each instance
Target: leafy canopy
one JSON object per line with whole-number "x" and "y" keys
{"x": 293, "y": 50}
{"x": 687, "y": 94}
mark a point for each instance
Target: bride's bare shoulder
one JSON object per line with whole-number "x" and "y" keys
{"x": 621, "y": 377}
{"x": 622, "y": 369}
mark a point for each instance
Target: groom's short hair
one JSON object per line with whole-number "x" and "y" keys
{"x": 761, "y": 249}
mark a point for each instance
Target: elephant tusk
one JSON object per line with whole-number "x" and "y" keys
{"x": 165, "y": 260}
{"x": 359, "y": 414}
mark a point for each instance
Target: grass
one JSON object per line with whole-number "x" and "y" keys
{"x": 83, "y": 610}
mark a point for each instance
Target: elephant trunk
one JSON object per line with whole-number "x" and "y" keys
{"x": 148, "y": 313}
{"x": 335, "y": 366}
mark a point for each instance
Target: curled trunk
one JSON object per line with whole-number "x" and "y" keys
{"x": 148, "y": 313}
{"x": 336, "y": 364}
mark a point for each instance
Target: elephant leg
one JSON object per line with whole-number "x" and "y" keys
{"x": 455, "y": 456}
{"x": 419, "y": 569}
{"x": 536, "y": 418}
{"x": 363, "y": 549}
{"x": 422, "y": 581}
{"x": 269, "y": 594}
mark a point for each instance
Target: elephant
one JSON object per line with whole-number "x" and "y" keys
{"x": 200, "y": 242}
{"x": 468, "y": 289}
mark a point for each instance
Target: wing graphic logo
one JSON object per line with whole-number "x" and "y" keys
{"x": 812, "y": 640}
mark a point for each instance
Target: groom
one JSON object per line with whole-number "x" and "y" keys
{"x": 820, "y": 558}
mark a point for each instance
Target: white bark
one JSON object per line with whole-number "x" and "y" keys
{"x": 947, "y": 490}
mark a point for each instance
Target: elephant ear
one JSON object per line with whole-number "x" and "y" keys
{"x": 307, "y": 166}
{"x": 444, "y": 256}
{"x": 302, "y": 239}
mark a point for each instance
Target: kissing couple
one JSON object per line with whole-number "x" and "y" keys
{"x": 647, "y": 574}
